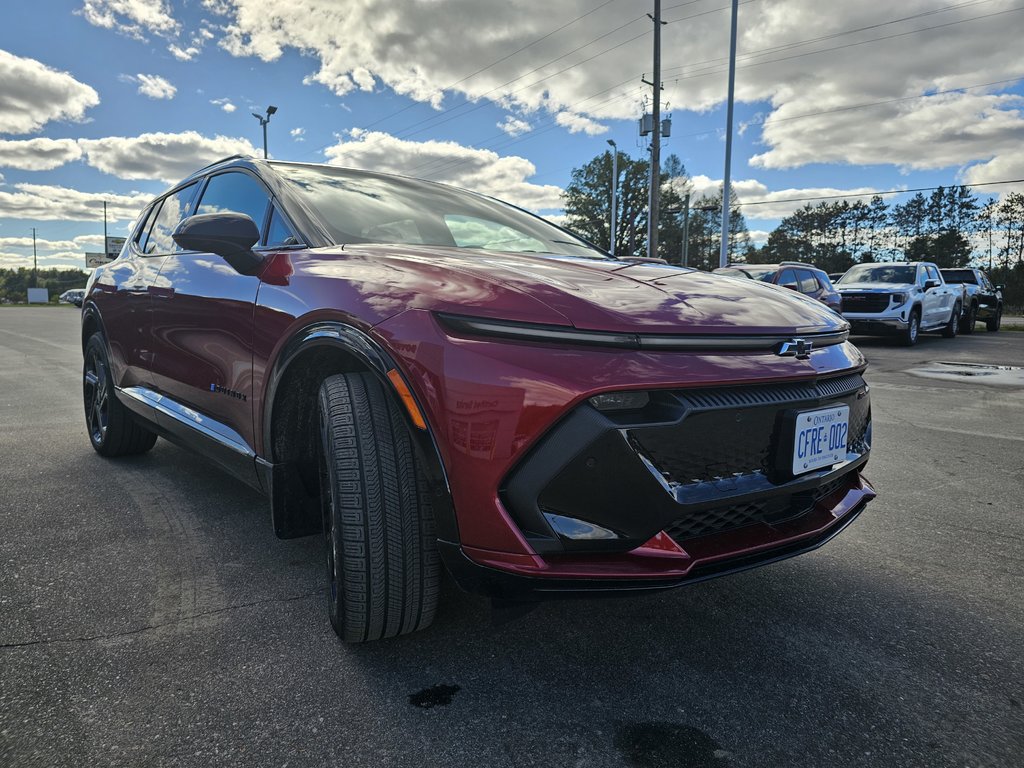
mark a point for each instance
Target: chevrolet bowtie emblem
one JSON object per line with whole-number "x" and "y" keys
{"x": 798, "y": 348}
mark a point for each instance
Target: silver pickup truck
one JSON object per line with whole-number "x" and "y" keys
{"x": 901, "y": 299}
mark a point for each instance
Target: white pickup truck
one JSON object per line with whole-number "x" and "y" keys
{"x": 900, "y": 298}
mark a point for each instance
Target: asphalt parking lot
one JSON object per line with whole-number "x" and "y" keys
{"x": 149, "y": 617}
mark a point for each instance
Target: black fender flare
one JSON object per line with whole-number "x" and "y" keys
{"x": 376, "y": 359}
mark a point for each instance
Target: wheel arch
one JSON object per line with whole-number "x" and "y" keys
{"x": 288, "y": 420}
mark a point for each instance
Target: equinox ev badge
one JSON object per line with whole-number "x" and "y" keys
{"x": 798, "y": 348}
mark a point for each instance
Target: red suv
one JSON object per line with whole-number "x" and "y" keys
{"x": 428, "y": 376}
{"x": 802, "y": 278}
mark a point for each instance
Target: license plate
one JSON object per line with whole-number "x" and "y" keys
{"x": 820, "y": 439}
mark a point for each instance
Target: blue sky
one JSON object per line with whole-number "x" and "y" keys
{"x": 115, "y": 99}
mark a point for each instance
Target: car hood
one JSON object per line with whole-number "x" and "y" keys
{"x": 610, "y": 295}
{"x": 875, "y": 287}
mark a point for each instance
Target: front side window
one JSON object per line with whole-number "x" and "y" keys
{"x": 235, "y": 192}
{"x": 787, "y": 279}
{"x": 807, "y": 282}
{"x": 279, "y": 233}
{"x": 173, "y": 209}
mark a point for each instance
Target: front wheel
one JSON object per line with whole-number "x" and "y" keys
{"x": 993, "y": 323}
{"x": 383, "y": 568}
{"x": 952, "y": 328}
{"x": 909, "y": 336}
{"x": 112, "y": 430}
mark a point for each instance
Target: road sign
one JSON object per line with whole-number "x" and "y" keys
{"x": 114, "y": 245}
{"x": 93, "y": 260}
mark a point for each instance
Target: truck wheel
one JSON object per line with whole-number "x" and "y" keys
{"x": 112, "y": 429}
{"x": 909, "y": 336}
{"x": 993, "y": 323}
{"x": 952, "y": 328}
{"x": 970, "y": 318}
{"x": 382, "y": 563}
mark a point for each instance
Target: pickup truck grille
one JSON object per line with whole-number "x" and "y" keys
{"x": 865, "y": 302}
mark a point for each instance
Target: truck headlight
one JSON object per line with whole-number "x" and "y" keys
{"x": 899, "y": 298}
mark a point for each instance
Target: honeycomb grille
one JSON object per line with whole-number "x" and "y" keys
{"x": 736, "y": 436}
{"x": 771, "y": 511}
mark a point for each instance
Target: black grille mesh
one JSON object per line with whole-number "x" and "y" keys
{"x": 772, "y": 511}
{"x": 735, "y": 436}
{"x": 865, "y": 302}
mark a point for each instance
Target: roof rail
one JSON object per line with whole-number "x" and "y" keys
{"x": 222, "y": 160}
{"x": 798, "y": 264}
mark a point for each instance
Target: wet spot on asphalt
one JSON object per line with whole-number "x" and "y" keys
{"x": 653, "y": 745}
{"x": 437, "y": 696}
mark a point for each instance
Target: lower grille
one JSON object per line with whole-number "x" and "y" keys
{"x": 865, "y": 302}
{"x": 771, "y": 511}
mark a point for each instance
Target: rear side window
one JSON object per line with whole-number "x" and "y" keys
{"x": 807, "y": 282}
{"x": 172, "y": 210}
{"x": 236, "y": 192}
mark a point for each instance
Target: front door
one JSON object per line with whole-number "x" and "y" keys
{"x": 203, "y": 323}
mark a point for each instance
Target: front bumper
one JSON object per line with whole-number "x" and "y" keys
{"x": 697, "y": 484}
{"x": 872, "y": 324}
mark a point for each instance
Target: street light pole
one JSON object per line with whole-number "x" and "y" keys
{"x": 35, "y": 262}
{"x": 615, "y": 191}
{"x": 263, "y": 122}
{"x": 686, "y": 231}
{"x": 652, "y": 217}
{"x": 723, "y": 258}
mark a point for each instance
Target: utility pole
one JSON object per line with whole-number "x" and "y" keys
{"x": 686, "y": 231}
{"x": 105, "y": 249}
{"x": 35, "y": 263}
{"x": 615, "y": 190}
{"x": 655, "y": 196}
{"x": 723, "y": 258}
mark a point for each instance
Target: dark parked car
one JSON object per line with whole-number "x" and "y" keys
{"x": 429, "y": 377}
{"x": 984, "y": 301}
{"x": 802, "y": 278}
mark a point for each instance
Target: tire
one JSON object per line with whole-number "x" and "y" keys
{"x": 383, "y": 567}
{"x": 113, "y": 431}
{"x": 993, "y": 323}
{"x": 909, "y": 336}
{"x": 952, "y": 328}
{"x": 969, "y": 319}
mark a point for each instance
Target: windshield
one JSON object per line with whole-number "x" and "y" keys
{"x": 879, "y": 273}
{"x": 958, "y": 276}
{"x": 363, "y": 207}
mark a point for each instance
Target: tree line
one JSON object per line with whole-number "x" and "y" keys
{"x": 951, "y": 226}
{"x": 14, "y": 283}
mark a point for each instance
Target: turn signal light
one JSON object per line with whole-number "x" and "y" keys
{"x": 407, "y": 399}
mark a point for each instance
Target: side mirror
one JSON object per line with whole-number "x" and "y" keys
{"x": 229, "y": 235}
{"x": 929, "y": 284}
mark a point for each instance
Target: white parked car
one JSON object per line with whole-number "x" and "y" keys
{"x": 900, "y": 298}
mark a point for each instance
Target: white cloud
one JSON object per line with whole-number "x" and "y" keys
{"x": 167, "y": 157}
{"x": 794, "y": 58}
{"x": 298, "y": 133}
{"x": 770, "y": 205}
{"x": 38, "y": 154}
{"x": 480, "y": 170}
{"x": 183, "y": 54}
{"x": 52, "y": 203}
{"x": 32, "y": 94}
{"x": 224, "y": 104}
{"x": 578, "y": 123}
{"x": 154, "y": 86}
{"x": 132, "y": 17}
{"x": 514, "y": 126}
{"x": 42, "y": 244}
{"x": 1006, "y": 167}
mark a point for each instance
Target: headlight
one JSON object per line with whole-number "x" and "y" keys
{"x": 899, "y": 298}
{"x": 620, "y": 401}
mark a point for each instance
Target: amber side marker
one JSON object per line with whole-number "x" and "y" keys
{"x": 407, "y": 399}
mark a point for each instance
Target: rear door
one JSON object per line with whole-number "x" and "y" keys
{"x": 940, "y": 300}
{"x": 203, "y": 319}
{"x": 808, "y": 284}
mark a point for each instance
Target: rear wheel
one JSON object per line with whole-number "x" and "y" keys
{"x": 382, "y": 562}
{"x": 952, "y": 328}
{"x": 112, "y": 430}
{"x": 970, "y": 318}
{"x": 993, "y": 323}
{"x": 909, "y": 336}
